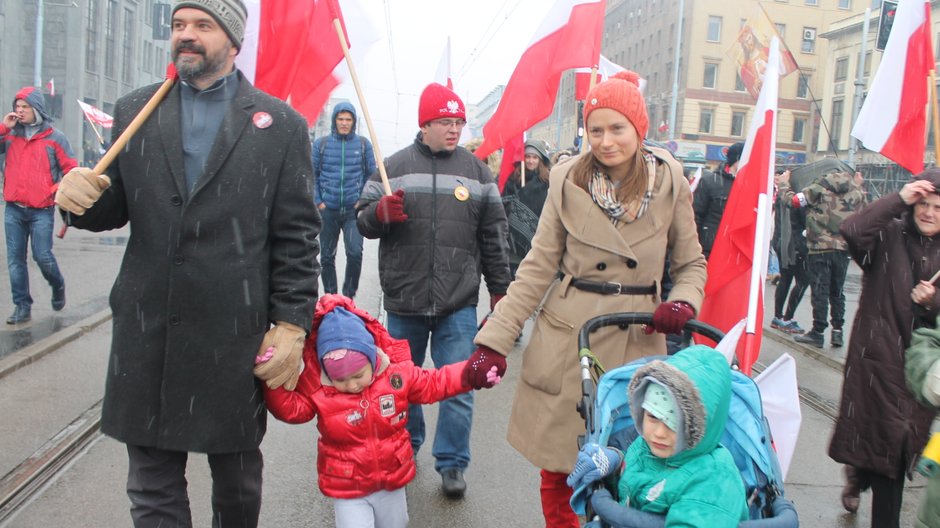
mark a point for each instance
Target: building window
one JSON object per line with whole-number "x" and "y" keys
{"x": 705, "y": 119}
{"x": 147, "y": 59}
{"x": 781, "y": 31}
{"x": 867, "y": 63}
{"x": 845, "y": 4}
{"x": 812, "y": 2}
{"x": 737, "y": 123}
{"x": 842, "y": 69}
{"x": 799, "y": 128}
{"x": 710, "y": 79}
{"x": 808, "y": 44}
{"x": 739, "y": 82}
{"x": 91, "y": 35}
{"x": 110, "y": 39}
{"x": 835, "y": 123}
{"x": 127, "y": 73}
{"x": 714, "y": 29}
{"x": 802, "y": 86}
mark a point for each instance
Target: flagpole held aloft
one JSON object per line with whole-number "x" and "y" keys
{"x": 136, "y": 123}
{"x": 591, "y": 84}
{"x": 362, "y": 102}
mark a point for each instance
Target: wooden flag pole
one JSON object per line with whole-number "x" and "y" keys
{"x": 135, "y": 124}
{"x": 936, "y": 117}
{"x": 590, "y": 86}
{"x": 365, "y": 108}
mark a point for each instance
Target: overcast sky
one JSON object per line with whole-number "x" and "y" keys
{"x": 398, "y": 44}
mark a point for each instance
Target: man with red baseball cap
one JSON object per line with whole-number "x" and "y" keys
{"x": 443, "y": 226}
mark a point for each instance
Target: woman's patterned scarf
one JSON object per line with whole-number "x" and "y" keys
{"x": 604, "y": 193}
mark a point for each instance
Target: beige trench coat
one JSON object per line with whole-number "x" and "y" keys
{"x": 576, "y": 237}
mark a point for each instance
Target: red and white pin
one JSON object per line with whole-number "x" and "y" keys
{"x": 262, "y": 119}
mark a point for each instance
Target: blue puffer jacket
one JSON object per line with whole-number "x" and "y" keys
{"x": 342, "y": 163}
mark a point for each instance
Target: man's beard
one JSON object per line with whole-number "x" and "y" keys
{"x": 193, "y": 69}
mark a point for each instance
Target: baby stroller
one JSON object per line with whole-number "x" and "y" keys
{"x": 605, "y": 408}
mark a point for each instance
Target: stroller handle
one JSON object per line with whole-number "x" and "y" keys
{"x": 625, "y": 319}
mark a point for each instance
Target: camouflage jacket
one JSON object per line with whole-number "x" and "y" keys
{"x": 828, "y": 201}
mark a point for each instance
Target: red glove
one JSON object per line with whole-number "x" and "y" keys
{"x": 391, "y": 208}
{"x": 480, "y": 362}
{"x": 670, "y": 317}
{"x": 494, "y": 298}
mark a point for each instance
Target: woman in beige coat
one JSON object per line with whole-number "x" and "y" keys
{"x": 611, "y": 217}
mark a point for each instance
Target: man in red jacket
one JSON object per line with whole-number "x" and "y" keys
{"x": 37, "y": 156}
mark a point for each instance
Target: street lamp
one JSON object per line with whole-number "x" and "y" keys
{"x": 37, "y": 59}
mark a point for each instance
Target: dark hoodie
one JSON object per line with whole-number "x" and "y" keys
{"x": 37, "y": 156}
{"x": 342, "y": 163}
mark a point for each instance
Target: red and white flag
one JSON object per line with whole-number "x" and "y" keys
{"x": 738, "y": 261}
{"x": 293, "y": 53}
{"x": 50, "y": 87}
{"x": 582, "y": 76}
{"x": 569, "y": 37}
{"x": 893, "y": 120}
{"x": 442, "y": 75}
{"x": 513, "y": 152}
{"x": 95, "y": 115}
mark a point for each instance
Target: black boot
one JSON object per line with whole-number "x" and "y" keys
{"x": 836, "y": 338}
{"x": 452, "y": 483}
{"x": 21, "y": 314}
{"x": 58, "y": 298}
{"x": 811, "y": 338}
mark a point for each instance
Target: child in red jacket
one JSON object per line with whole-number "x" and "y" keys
{"x": 358, "y": 381}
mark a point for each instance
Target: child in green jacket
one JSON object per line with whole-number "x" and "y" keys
{"x": 922, "y": 373}
{"x": 676, "y": 468}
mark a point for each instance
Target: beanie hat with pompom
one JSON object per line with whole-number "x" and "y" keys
{"x": 621, "y": 93}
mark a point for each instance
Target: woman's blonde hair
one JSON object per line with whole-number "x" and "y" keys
{"x": 633, "y": 186}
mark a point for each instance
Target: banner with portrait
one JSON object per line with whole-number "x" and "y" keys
{"x": 750, "y": 50}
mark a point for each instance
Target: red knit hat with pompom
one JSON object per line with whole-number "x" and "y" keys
{"x": 621, "y": 93}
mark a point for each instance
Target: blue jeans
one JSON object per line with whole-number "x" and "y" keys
{"x": 451, "y": 342}
{"x": 335, "y": 221}
{"x": 22, "y": 225}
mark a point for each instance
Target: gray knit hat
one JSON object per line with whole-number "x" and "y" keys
{"x": 230, "y": 14}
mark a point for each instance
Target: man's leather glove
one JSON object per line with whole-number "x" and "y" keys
{"x": 283, "y": 368}
{"x": 594, "y": 463}
{"x": 79, "y": 190}
{"x": 391, "y": 208}
{"x": 480, "y": 362}
{"x": 670, "y": 317}
{"x": 495, "y": 298}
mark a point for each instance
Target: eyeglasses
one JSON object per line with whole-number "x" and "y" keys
{"x": 448, "y": 123}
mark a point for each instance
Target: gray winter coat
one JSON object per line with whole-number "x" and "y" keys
{"x": 202, "y": 278}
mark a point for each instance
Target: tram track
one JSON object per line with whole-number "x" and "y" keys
{"x": 28, "y": 479}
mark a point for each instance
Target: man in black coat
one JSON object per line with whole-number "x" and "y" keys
{"x": 216, "y": 186}
{"x": 711, "y": 196}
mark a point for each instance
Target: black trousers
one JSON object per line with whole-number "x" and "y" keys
{"x": 886, "y": 497}
{"x": 828, "y": 271}
{"x": 797, "y": 274}
{"x": 156, "y": 485}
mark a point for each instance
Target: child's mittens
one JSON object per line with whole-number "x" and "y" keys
{"x": 594, "y": 463}
{"x": 492, "y": 377}
{"x": 478, "y": 367}
{"x": 268, "y": 354}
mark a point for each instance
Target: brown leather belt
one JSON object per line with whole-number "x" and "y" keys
{"x": 612, "y": 288}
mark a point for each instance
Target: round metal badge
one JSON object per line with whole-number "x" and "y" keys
{"x": 262, "y": 119}
{"x": 462, "y": 193}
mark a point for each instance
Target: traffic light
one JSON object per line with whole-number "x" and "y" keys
{"x": 885, "y": 21}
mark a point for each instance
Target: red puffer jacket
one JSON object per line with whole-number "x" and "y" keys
{"x": 363, "y": 445}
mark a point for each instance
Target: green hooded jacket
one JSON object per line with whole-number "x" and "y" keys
{"x": 699, "y": 485}
{"x": 919, "y": 357}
